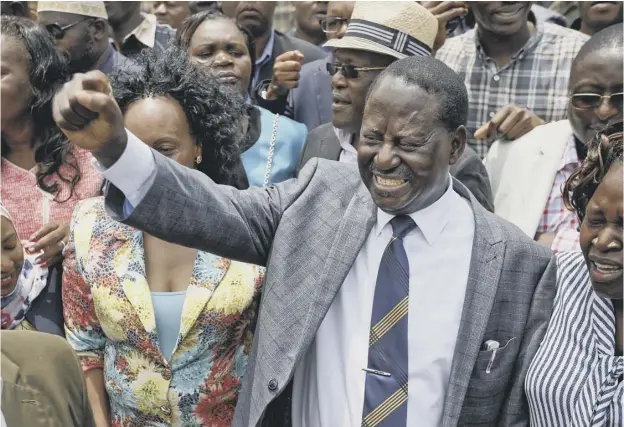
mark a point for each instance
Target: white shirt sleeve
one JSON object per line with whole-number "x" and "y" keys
{"x": 134, "y": 173}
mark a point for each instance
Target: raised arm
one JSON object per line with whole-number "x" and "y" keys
{"x": 161, "y": 197}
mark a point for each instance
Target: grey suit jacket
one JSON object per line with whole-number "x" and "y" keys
{"x": 308, "y": 232}
{"x": 469, "y": 170}
{"x": 312, "y": 99}
{"x": 284, "y": 43}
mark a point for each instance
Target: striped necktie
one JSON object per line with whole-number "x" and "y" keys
{"x": 385, "y": 396}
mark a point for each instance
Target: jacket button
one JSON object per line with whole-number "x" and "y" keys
{"x": 273, "y": 385}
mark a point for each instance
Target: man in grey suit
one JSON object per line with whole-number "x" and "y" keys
{"x": 391, "y": 298}
{"x": 338, "y": 139}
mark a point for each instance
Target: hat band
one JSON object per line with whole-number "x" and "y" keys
{"x": 388, "y": 37}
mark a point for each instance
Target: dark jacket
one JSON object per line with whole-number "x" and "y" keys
{"x": 469, "y": 170}
{"x": 283, "y": 44}
{"x": 46, "y": 311}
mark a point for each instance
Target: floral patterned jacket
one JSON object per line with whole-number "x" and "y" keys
{"x": 109, "y": 321}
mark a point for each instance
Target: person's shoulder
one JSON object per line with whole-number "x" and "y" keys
{"x": 556, "y": 33}
{"x": 285, "y": 124}
{"x": 572, "y": 273}
{"x": 321, "y": 131}
{"x": 90, "y": 214}
{"x": 309, "y": 51}
{"x": 464, "y": 44}
{"x": 33, "y": 346}
{"x": 549, "y": 136}
{"x": 314, "y": 66}
{"x": 517, "y": 244}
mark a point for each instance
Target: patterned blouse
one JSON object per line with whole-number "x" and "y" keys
{"x": 31, "y": 207}
{"x": 575, "y": 378}
{"x": 109, "y": 321}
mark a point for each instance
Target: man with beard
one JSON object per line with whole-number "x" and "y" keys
{"x": 392, "y": 298}
{"x": 134, "y": 31}
{"x": 81, "y": 30}
{"x": 278, "y": 56}
{"x": 527, "y": 174}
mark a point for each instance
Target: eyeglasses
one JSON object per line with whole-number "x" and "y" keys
{"x": 349, "y": 71}
{"x": 58, "y": 32}
{"x": 333, "y": 24}
{"x": 588, "y": 101}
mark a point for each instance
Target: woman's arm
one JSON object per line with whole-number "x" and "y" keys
{"x": 98, "y": 398}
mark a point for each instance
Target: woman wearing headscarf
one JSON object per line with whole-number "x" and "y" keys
{"x": 575, "y": 378}
{"x": 25, "y": 286}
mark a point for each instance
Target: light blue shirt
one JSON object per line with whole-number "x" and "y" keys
{"x": 168, "y": 312}
{"x": 264, "y": 58}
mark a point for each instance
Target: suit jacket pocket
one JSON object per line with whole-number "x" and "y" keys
{"x": 492, "y": 372}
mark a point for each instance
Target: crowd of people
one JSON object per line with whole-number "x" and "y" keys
{"x": 396, "y": 213}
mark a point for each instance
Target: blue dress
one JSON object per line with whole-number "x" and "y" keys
{"x": 291, "y": 137}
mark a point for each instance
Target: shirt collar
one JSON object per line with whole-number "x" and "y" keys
{"x": 146, "y": 31}
{"x": 430, "y": 220}
{"x": 529, "y": 46}
{"x": 570, "y": 156}
{"x": 268, "y": 50}
{"x": 345, "y": 139}
{"x": 109, "y": 60}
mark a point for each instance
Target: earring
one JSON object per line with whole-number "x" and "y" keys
{"x": 198, "y": 159}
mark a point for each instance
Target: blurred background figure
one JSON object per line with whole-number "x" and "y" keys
{"x": 42, "y": 383}
{"x": 134, "y": 31}
{"x": 202, "y": 6}
{"x": 272, "y": 145}
{"x": 276, "y": 53}
{"x": 81, "y": 30}
{"x": 596, "y": 16}
{"x": 15, "y": 8}
{"x": 308, "y": 17}
{"x": 172, "y": 13}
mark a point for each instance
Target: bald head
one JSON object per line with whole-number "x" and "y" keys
{"x": 611, "y": 38}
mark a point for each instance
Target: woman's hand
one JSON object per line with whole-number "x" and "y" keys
{"x": 51, "y": 240}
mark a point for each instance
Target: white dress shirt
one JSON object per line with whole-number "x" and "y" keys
{"x": 348, "y": 154}
{"x": 329, "y": 382}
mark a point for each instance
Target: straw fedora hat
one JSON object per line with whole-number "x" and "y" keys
{"x": 395, "y": 28}
{"x": 94, "y": 9}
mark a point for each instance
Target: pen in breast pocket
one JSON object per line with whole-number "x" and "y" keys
{"x": 492, "y": 346}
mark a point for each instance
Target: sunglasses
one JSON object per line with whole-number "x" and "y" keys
{"x": 333, "y": 24}
{"x": 58, "y": 32}
{"x": 588, "y": 101}
{"x": 349, "y": 71}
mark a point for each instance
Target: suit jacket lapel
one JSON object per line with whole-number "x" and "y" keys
{"x": 129, "y": 264}
{"x": 207, "y": 275}
{"x": 356, "y": 224}
{"x": 331, "y": 148}
{"x": 485, "y": 269}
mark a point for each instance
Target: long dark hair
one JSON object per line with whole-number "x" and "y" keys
{"x": 190, "y": 25}
{"x": 47, "y": 72}
{"x": 604, "y": 150}
{"x": 213, "y": 112}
